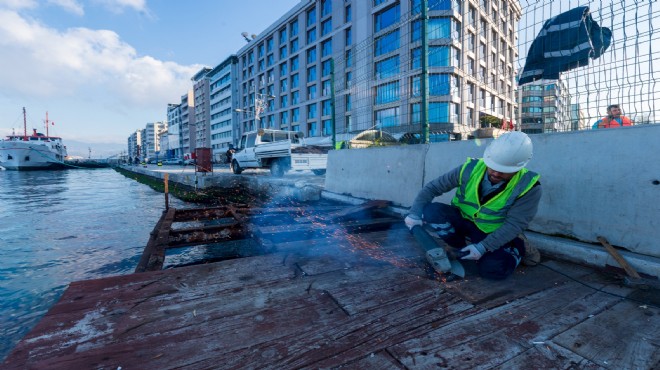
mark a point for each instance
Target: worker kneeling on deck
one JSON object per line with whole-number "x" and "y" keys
{"x": 496, "y": 198}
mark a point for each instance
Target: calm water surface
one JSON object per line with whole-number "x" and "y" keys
{"x": 62, "y": 226}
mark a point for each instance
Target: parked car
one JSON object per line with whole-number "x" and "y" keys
{"x": 173, "y": 161}
{"x": 189, "y": 161}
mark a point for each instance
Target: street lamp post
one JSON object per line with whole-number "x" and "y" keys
{"x": 260, "y": 105}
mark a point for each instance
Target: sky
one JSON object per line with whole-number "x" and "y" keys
{"x": 104, "y": 68}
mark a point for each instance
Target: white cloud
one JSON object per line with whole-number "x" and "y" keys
{"x": 69, "y": 5}
{"x": 18, "y": 4}
{"x": 42, "y": 62}
{"x": 118, "y": 6}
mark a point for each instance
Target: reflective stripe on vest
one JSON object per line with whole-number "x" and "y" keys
{"x": 489, "y": 216}
{"x": 606, "y": 122}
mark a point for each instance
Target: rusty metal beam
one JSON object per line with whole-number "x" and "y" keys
{"x": 207, "y": 235}
{"x": 153, "y": 255}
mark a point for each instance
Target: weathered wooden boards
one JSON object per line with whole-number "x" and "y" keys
{"x": 348, "y": 292}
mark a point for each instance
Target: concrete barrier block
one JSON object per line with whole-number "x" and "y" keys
{"x": 392, "y": 173}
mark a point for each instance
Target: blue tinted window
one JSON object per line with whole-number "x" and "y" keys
{"x": 439, "y": 84}
{"x": 311, "y": 17}
{"x": 386, "y": 18}
{"x": 387, "y": 43}
{"x": 387, "y": 93}
{"x": 387, "y": 117}
{"x": 388, "y": 67}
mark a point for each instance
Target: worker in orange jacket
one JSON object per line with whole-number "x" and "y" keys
{"x": 613, "y": 119}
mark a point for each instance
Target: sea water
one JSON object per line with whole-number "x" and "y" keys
{"x": 62, "y": 226}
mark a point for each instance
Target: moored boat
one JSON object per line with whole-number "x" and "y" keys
{"x": 32, "y": 152}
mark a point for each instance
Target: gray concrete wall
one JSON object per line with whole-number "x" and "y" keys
{"x": 595, "y": 183}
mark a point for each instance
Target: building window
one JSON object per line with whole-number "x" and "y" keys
{"x": 311, "y": 74}
{"x": 311, "y": 111}
{"x": 348, "y": 102}
{"x": 311, "y": 36}
{"x": 327, "y": 127}
{"x": 387, "y": 117}
{"x": 326, "y": 48}
{"x": 311, "y": 17}
{"x": 294, "y": 63}
{"x": 387, "y": 18}
{"x": 415, "y": 86}
{"x": 313, "y": 129}
{"x": 284, "y": 85}
{"x": 416, "y": 5}
{"x": 283, "y": 53}
{"x": 349, "y": 79}
{"x": 326, "y": 108}
{"x": 295, "y": 115}
{"x": 349, "y": 58}
{"x": 326, "y": 7}
{"x": 294, "y": 46}
{"x": 295, "y": 97}
{"x": 387, "y": 67}
{"x": 284, "y": 100}
{"x": 294, "y": 81}
{"x": 416, "y": 56}
{"x": 284, "y": 118}
{"x": 347, "y": 14}
{"x": 439, "y": 113}
{"x": 283, "y": 70}
{"x": 326, "y": 68}
{"x": 326, "y": 27}
{"x": 415, "y": 31}
{"x": 387, "y": 93}
{"x": 283, "y": 36}
{"x": 326, "y": 88}
{"x": 293, "y": 26}
{"x": 386, "y": 43}
{"x": 311, "y": 92}
{"x": 349, "y": 37}
{"x": 311, "y": 55}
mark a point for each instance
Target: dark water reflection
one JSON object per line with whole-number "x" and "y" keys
{"x": 62, "y": 226}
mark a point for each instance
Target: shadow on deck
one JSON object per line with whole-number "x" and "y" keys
{"x": 336, "y": 287}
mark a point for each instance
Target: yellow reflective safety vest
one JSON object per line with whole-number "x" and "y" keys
{"x": 489, "y": 216}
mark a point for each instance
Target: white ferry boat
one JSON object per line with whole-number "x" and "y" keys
{"x": 32, "y": 152}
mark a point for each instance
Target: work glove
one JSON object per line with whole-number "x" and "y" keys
{"x": 475, "y": 250}
{"x": 412, "y": 221}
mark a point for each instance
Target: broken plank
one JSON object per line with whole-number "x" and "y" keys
{"x": 153, "y": 254}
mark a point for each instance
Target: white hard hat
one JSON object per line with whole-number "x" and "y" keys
{"x": 509, "y": 153}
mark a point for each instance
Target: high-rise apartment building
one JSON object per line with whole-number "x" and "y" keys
{"x": 223, "y": 101}
{"x": 174, "y": 131}
{"x": 151, "y": 139}
{"x": 134, "y": 146}
{"x": 545, "y": 107}
{"x": 370, "y": 52}
{"x": 202, "y": 108}
{"x": 187, "y": 107}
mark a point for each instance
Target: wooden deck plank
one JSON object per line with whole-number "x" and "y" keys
{"x": 548, "y": 356}
{"x": 380, "y": 360}
{"x": 538, "y": 317}
{"x": 492, "y": 293}
{"x": 627, "y": 336}
{"x": 355, "y": 337}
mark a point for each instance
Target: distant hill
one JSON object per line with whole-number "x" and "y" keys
{"x": 99, "y": 150}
